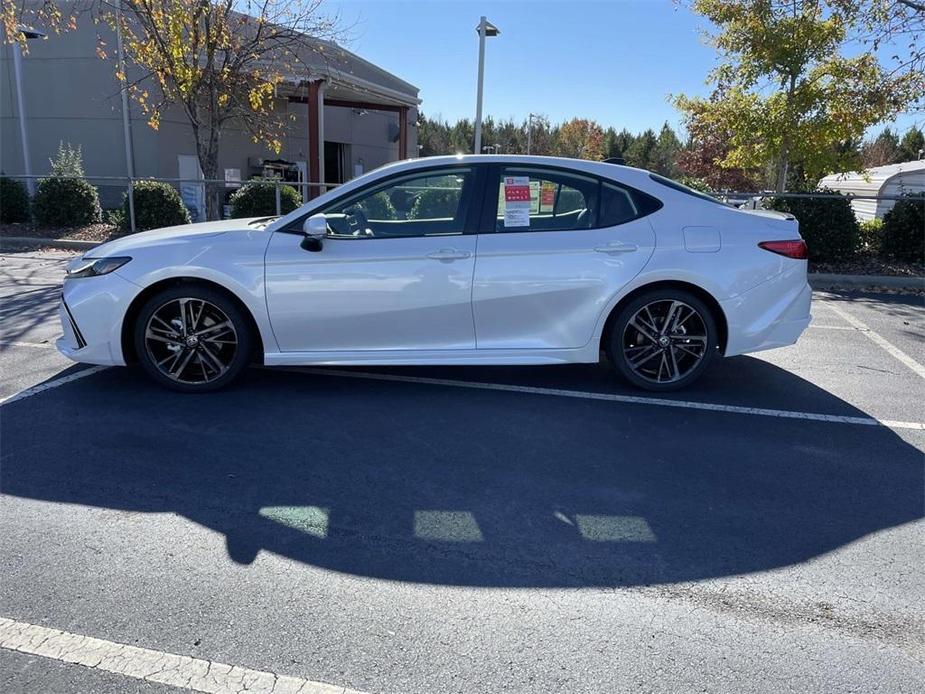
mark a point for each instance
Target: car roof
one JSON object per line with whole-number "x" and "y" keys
{"x": 524, "y": 159}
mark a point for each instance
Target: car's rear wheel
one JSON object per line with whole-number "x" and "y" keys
{"x": 663, "y": 340}
{"x": 192, "y": 339}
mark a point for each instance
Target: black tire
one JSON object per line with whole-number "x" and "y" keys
{"x": 210, "y": 356}
{"x": 645, "y": 358}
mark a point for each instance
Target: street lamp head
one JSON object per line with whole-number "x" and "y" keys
{"x": 30, "y": 33}
{"x": 490, "y": 29}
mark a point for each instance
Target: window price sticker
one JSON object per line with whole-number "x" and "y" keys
{"x": 517, "y": 201}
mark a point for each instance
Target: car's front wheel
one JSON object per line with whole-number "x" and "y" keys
{"x": 663, "y": 340}
{"x": 192, "y": 338}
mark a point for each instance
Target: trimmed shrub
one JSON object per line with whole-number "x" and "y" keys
{"x": 156, "y": 205}
{"x": 570, "y": 200}
{"x": 904, "y": 230}
{"x": 62, "y": 201}
{"x": 435, "y": 203}
{"x": 14, "y": 201}
{"x": 379, "y": 206}
{"x": 257, "y": 198}
{"x": 871, "y": 234}
{"x": 827, "y": 224}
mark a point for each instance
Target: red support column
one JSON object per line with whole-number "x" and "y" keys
{"x": 403, "y": 132}
{"x": 314, "y": 144}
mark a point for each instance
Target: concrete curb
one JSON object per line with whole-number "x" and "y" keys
{"x": 817, "y": 280}
{"x": 30, "y": 241}
{"x": 820, "y": 280}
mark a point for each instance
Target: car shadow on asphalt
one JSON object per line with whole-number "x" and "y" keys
{"x": 442, "y": 485}
{"x": 30, "y": 309}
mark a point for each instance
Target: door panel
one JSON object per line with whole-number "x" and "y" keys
{"x": 546, "y": 289}
{"x": 371, "y": 293}
{"x": 542, "y": 281}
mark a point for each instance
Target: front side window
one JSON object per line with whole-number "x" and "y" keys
{"x": 541, "y": 200}
{"x": 434, "y": 203}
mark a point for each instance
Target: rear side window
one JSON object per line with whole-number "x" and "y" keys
{"x": 620, "y": 205}
{"x": 545, "y": 200}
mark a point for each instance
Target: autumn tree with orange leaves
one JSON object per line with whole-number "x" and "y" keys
{"x": 580, "y": 138}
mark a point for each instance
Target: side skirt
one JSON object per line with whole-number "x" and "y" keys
{"x": 486, "y": 357}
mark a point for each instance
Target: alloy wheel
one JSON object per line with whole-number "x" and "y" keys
{"x": 664, "y": 341}
{"x": 191, "y": 340}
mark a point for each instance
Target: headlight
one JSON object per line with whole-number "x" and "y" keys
{"x": 92, "y": 267}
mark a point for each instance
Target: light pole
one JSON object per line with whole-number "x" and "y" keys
{"x": 485, "y": 29}
{"x": 530, "y": 118}
{"x": 126, "y": 124}
{"x": 17, "y": 77}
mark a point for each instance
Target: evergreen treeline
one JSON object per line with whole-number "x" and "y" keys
{"x": 663, "y": 152}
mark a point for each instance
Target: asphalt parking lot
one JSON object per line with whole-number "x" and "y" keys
{"x": 466, "y": 529}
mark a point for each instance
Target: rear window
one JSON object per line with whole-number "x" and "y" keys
{"x": 681, "y": 188}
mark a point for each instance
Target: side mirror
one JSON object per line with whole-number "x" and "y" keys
{"x": 315, "y": 227}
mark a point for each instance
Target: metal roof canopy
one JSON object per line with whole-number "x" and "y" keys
{"x": 892, "y": 179}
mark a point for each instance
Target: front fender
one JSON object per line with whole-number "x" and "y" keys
{"x": 233, "y": 261}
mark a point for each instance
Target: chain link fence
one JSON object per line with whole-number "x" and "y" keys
{"x": 117, "y": 198}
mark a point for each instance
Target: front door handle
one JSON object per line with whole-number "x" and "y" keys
{"x": 449, "y": 254}
{"x": 616, "y": 248}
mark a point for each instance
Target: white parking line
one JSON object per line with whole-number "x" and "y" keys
{"x": 614, "y": 397}
{"x": 876, "y": 338}
{"x": 185, "y": 672}
{"x": 49, "y": 385}
{"x": 834, "y": 327}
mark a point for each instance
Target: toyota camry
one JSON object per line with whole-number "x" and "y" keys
{"x": 450, "y": 260}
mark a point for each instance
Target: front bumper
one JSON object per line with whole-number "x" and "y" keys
{"x": 91, "y": 313}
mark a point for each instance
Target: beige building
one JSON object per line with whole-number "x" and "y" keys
{"x": 349, "y": 116}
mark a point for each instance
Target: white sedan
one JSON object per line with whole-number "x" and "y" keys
{"x": 450, "y": 260}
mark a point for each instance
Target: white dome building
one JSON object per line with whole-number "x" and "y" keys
{"x": 893, "y": 179}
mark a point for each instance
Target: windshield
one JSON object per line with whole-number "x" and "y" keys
{"x": 681, "y": 188}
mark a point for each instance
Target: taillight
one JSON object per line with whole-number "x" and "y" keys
{"x": 791, "y": 249}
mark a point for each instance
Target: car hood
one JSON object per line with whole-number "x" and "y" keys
{"x": 184, "y": 232}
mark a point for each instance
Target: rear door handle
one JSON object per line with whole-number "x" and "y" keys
{"x": 615, "y": 248}
{"x": 449, "y": 254}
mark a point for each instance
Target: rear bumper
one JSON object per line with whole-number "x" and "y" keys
{"x": 91, "y": 312}
{"x": 773, "y": 314}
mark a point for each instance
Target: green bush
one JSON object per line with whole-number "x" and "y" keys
{"x": 115, "y": 217}
{"x": 904, "y": 230}
{"x": 827, "y": 224}
{"x": 435, "y": 203}
{"x": 379, "y": 206}
{"x": 871, "y": 234}
{"x": 156, "y": 205}
{"x": 257, "y": 198}
{"x": 14, "y": 201}
{"x": 64, "y": 201}
{"x": 570, "y": 200}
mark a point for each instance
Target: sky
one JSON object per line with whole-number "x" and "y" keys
{"x": 614, "y": 61}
